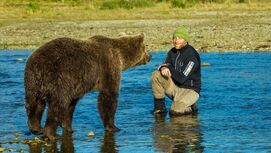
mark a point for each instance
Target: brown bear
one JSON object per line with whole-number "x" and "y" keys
{"x": 61, "y": 71}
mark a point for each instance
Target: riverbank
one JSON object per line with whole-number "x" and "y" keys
{"x": 239, "y": 27}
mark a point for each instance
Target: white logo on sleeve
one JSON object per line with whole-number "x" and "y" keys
{"x": 188, "y": 68}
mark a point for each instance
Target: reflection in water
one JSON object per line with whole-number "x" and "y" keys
{"x": 67, "y": 143}
{"x": 51, "y": 147}
{"x": 35, "y": 148}
{"x": 178, "y": 135}
{"x": 67, "y": 146}
{"x": 108, "y": 143}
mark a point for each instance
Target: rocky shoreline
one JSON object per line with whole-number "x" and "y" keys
{"x": 211, "y": 31}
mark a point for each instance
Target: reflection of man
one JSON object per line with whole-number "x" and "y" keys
{"x": 179, "y": 77}
{"x": 179, "y": 135}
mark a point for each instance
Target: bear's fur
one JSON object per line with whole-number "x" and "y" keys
{"x": 61, "y": 71}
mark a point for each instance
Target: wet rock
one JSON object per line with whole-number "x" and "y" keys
{"x": 19, "y": 59}
{"x": 203, "y": 49}
{"x": 90, "y": 134}
{"x": 205, "y": 64}
{"x": 16, "y": 134}
{"x": 261, "y": 47}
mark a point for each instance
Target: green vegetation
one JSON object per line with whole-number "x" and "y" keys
{"x": 55, "y": 10}
{"x": 182, "y": 3}
{"x": 125, "y": 4}
{"x": 33, "y": 5}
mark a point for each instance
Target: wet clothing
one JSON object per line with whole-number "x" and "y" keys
{"x": 184, "y": 65}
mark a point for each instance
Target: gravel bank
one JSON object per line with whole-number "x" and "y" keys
{"x": 210, "y": 31}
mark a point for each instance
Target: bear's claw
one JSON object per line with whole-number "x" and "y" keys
{"x": 112, "y": 129}
{"x": 37, "y": 131}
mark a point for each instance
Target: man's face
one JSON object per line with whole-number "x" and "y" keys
{"x": 178, "y": 42}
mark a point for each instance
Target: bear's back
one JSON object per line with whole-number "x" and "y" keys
{"x": 66, "y": 49}
{"x": 64, "y": 55}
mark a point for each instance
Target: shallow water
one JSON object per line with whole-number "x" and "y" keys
{"x": 234, "y": 111}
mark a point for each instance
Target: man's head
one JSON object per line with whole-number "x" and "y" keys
{"x": 180, "y": 38}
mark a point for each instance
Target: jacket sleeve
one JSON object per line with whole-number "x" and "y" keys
{"x": 166, "y": 62}
{"x": 191, "y": 64}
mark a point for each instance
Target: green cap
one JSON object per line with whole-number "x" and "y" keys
{"x": 181, "y": 32}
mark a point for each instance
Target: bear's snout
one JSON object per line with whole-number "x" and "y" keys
{"x": 146, "y": 58}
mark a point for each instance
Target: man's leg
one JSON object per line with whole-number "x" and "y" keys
{"x": 183, "y": 101}
{"x": 161, "y": 86}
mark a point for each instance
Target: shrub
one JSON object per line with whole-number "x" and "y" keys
{"x": 127, "y": 4}
{"x": 33, "y": 5}
{"x": 182, "y": 3}
{"x": 243, "y": 1}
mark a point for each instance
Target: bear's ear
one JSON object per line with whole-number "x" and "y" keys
{"x": 141, "y": 36}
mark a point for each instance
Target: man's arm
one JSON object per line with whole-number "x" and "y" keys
{"x": 166, "y": 62}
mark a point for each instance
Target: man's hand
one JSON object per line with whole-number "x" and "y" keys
{"x": 165, "y": 72}
{"x": 162, "y": 65}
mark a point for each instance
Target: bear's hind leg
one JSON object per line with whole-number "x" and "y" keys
{"x": 67, "y": 122}
{"x": 107, "y": 105}
{"x": 50, "y": 129}
{"x": 35, "y": 108}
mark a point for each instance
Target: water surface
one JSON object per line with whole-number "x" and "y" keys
{"x": 234, "y": 110}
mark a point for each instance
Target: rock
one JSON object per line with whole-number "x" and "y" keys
{"x": 19, "y": 59}
{"x": 260, "y": 47}
{"x": 16, "y": 134}
{"x": 48, "y": 145}
{"x": 91, "y": 134}
{"x": 205, "y": 64}
{"x": 122, "y": 34}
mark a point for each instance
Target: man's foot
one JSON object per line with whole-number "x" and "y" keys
{"x": 159, "y": 106}
{"x": 174, "y": 113}
{"x": 159, "y": 111}
{"x": 194, "y": 108}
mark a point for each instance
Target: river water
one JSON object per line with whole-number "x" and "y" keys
{"x": 234, "y": 111}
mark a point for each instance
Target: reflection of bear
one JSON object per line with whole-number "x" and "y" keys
{"x": 60, "y": 72}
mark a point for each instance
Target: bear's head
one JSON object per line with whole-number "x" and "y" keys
{"x": 131, "y": 48}
{"x": 134, "y": 52}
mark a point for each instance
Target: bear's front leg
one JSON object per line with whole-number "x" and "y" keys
{"x": 107, "y": 105}
{"x": 108, "y": 87}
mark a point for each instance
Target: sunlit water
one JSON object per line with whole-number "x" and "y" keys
{"x": 234, "y": 110}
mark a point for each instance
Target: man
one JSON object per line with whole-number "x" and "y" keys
{"x": 179, "y": 77}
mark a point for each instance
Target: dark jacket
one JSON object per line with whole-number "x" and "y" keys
{"x": 184, "y": 65}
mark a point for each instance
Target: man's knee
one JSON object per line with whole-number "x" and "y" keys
{"x": 178, "y": 106}
{"x": 155, "y": 75}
